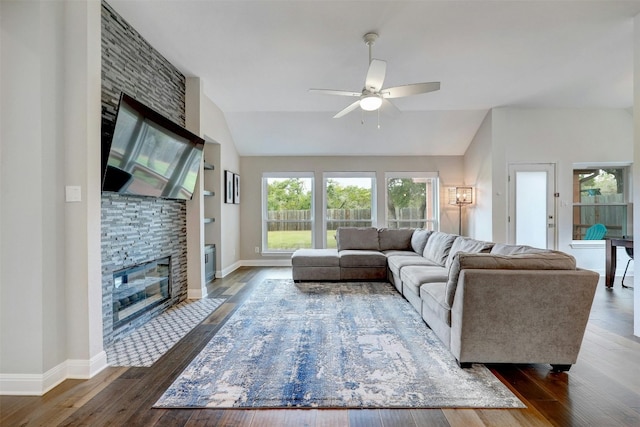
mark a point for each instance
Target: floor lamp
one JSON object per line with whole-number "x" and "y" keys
{"x": 460, "y": 196}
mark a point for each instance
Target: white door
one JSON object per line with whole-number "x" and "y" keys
{"x": 532, "y": 205}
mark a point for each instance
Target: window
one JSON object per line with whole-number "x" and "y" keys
{"x": 287, "y": 200}
{"x": 349, "y": 200}
{"x": 412, "y": 200}
{"x": 600, "y": 196}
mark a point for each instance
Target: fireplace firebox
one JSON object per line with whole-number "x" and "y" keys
{"x": 140, "y": 288}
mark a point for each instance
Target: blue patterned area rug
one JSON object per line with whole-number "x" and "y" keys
{"x": 146, "y": 344}
{"x": 330, "y": 345}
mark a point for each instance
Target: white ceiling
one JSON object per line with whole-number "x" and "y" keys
{"x": 258, "y": 59}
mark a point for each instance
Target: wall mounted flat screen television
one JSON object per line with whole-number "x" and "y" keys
{"x": 149, "y": 155}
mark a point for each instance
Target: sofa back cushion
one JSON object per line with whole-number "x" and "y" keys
{"x": 438, "y": 246}
{"x": 548, "y": 260}
{"x": 469, "y": 245}
{"x": 357, "y": 238}
{"x": 398, "y": 239}
{"x": 419, "y": 240}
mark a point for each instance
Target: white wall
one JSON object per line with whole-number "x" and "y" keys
{"x": 50, "y": 284}
{"x": 252, "y": 168}
{"x": 196, "y": 287}
{"x": 478, "y": 163}
{"x": 564, "y": 137}
{"x": 204, "y": 118}
{"x": 23, "y": 187}
{"x": 226, "y": 230}
{"x": 82, "y": 167}
{"x": 636, "y": 166}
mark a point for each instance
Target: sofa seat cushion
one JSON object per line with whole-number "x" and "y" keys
{"x": 438, "y": 247}
{"x": 433, "y": 296}
{"x": 315, "y": 258}
{"x": 548, "y": 260}
{"x": 392, "y": 253}
{"x": 414, "y": 276}
{"x": 361, "y": 258}
{"x": 395, "y": 238}
{"x": 397, "y": 263}
{"x": 365, "y": 238}
{"x": 469, "y": 245}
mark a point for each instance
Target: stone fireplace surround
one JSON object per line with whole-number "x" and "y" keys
{"x": 136, "y": 230}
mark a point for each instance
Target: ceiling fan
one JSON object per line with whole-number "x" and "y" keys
{"x": 373, "y": 96}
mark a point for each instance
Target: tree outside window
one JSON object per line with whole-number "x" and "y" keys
{"x": 287, "y": 212}
{"x": 349, "y": 202}
{"x": 412, "y": 201}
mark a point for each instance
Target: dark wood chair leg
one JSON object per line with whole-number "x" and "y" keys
{"x": 560, "y": 368}
{"x": 625, "y": 274}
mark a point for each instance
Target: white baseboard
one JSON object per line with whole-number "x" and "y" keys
{"x": 85, "y": 369}
{"x": 197, "y": 293}
{"x": 226, "y": 271}
{"x": 39, "y": 384}
{"x": 267, "y": 263}
{"x": 23, "y": 384}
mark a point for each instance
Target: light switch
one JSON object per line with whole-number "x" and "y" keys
{"x": 73, "y": 193}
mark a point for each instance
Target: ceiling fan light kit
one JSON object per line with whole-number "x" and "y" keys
{"x": 372, "y": 95}
{"x": 370, "y": 102}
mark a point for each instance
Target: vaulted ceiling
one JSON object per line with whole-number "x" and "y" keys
{"x": 257, "y": 60}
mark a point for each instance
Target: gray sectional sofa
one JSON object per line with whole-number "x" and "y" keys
{"x": 487, "y": 302}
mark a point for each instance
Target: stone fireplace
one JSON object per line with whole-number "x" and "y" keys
{"x": 137, "y": 231}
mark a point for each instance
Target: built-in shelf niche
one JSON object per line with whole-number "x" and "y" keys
{"x": 209, "y": 248}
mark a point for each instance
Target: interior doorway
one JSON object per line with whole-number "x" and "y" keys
{"x": 532, "y": 205}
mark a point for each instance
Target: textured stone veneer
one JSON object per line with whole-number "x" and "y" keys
{"x": 138, "y": 229}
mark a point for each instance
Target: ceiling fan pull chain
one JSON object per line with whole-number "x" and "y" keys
{"x": 378, "y": 119}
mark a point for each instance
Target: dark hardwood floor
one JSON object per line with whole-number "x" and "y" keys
{"x": 602, "y": 389}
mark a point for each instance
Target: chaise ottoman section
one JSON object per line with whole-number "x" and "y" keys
{"x": 362, "y": 265}
{"x": 315, "y": 265}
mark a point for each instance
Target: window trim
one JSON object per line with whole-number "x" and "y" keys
{"x": 435, "y": 196}
{"x": 264, "y": 196}
{"x": 328, "y": 175}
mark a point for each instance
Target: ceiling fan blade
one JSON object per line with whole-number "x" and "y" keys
{"x": 375, "y": 75}
{"x": 347, "y": 110}
{"x": 408, "y": 90}
{"x": 390, "y": 108}
{"x": 335, "y": 92}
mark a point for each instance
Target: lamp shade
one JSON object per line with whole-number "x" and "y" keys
{"x": 370, "y": 102}
{"x": 460, "y": 195}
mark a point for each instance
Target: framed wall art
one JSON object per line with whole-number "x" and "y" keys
{"x": 236, "y": 188}
{"x": 228, "y": 187}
